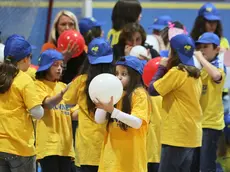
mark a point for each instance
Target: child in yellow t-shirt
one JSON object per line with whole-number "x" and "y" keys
{"x": 124, "y": 147}
{"x": 89, "y": 134}
{"x": 213, "y": 78}
{"x": 54, "y": 142}
{"x": 180, "y": 88}
{"x": 18, "y": 103}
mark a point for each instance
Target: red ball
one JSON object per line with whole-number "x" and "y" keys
{"x": 150, "y": 70}
{"x": 74, "y": 36}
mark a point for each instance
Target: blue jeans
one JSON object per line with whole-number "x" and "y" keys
{"x": 175, "y": 159}
{"x": 15, "y": 163}
{"x": 208, "y": 150}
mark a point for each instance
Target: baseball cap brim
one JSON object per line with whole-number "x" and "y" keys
{"x": 157, "y": 27}
{"x": 103, "y": 59}
{"x": 45, "y": 67}
{"x": 211, "y": 17}
{"x": 186, "y": 60}
{"x": 99, "y": 24}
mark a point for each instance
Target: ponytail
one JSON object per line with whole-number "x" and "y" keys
{"x": 8, "y": 71}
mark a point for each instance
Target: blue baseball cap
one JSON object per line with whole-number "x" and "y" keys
{"x": 85, "y": 24}
{"x": 160, "y": 22}
{"x": 133, "y": 62}
{"x": 208, "y": 38}
{"x": 209, "y": 12}
{"x": 184, "y": 46}
{"x": 99, "y": 51}
{"x": 47, "y": 58}
{"x": 17, "y": 48}
{"x": 164, "y": 53}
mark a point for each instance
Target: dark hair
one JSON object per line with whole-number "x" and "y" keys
{"x": 199, "y": 28}
{"x": 95, "y": 32}
{"x": 164, "y": 32}
{"x": 8, "y": 71}
{"x": 84, "y": 67}
{"x": 128, "y": 31}
{"x": 135, "y": 82}
{"x": 175, "y": 61}
{"x": 125, "y": 11}
{"x": 41, "y": 75}
{"x": 93, "y": 71}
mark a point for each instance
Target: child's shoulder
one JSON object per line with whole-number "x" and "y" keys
{"x": 140, "y": 91}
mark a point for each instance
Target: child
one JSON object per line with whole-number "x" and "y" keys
{"x": 178, "y": 82}
{"x": 18, "y": 103}
{"x": 159, "y": 24}
{"x": 89, "y": 135}
{"x": 54, "y": 142}
{"x": 211, "y": 100}
{"x": 124, "y": 146}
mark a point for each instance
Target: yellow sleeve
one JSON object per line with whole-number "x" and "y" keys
{"x": 30, "y": 95}
{"x": 224, "y": 43}
{"x": 73, "y": 109}
{"x": 140, "y": 104}
{"x": 173, "y": 79}
{"x": 70, "y": 97}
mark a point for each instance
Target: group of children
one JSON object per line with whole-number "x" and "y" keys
{"x": 173, "y": 124}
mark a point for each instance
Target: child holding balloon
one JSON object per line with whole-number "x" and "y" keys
{"x": 54, "y": 142}
{"x": 124, "y": 147}
{"x": 179, "y": 83}
{"x": 89, "y": 134}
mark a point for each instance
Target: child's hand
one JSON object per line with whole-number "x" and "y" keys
{"x": 75, "y": 115}
{"x": 127, "y": 49}
{"x": 164, "y": 62}
{"x": 198, "y": 55}
{"x": 108, "y": 107}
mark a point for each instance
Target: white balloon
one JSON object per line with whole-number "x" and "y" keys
{"x": 152, "y": 40}
{"x": 197, "y": 63}
{"x": 2, "y": 46}
{"x": 138, "y": 51}
{"x": 104, "y": 86}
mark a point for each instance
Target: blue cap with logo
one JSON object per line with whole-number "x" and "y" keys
{"x": 47, "y": 58}
{"x": 184, "y": 46}
{"x": 133, "y": 62}
{"x": 99, "y": 51}
{"x": 208, "y": 38}
{"x": 85, "y": 24}
{"x": 17, "y": 48}
{"x": 209, "y": 12}
{"x": 160, "y": 22}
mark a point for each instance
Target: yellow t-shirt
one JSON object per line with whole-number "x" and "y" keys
{"x": 125, "y": 151}
{"x": 113, "y": 36}
{"x": 31, "y": 72}
{"x": 54, "y": 130}
{"x": 224, "y": 43}
{"x": 181, "y": 125}
{"x": 16, "y": 127}
{"x": 154, "y": 131}
{"x": 89, "y": 134}
{"x": 211, "y": 101}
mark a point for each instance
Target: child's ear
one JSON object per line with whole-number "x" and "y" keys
{"x": 218, "y": 49}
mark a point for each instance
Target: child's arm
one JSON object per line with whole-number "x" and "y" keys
{"x": 100, "y": 116}
{"x": 50, "y": 102}
{"x": 212, "y": 70}
{"x": 159, "y": 74}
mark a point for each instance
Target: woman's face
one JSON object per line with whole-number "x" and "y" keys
{"x": 210, "y": 26}
{"x": 65, "y": 23}
{"x": 135, "y": 40}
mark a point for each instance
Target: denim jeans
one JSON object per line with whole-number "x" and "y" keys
{"x": 15, "y": 163}
{"x": 175, "y": 159}
{"x": 208, "y": 150}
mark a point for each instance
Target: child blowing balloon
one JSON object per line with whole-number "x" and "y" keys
{"x": 124, "y": 146}
{"x": 54, "y": 142}
{"x": 181, "y": 89}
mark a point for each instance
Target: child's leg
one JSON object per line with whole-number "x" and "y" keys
{"x": 49, "y": 163}
{"x": 175, "y": 159}
{"x": 64, "y": 164}
{"x": 89, "y": 168}
{"x": 209, "y": 150}
{"x": 195, "y": 166}
{"x": 153, "y": 167}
